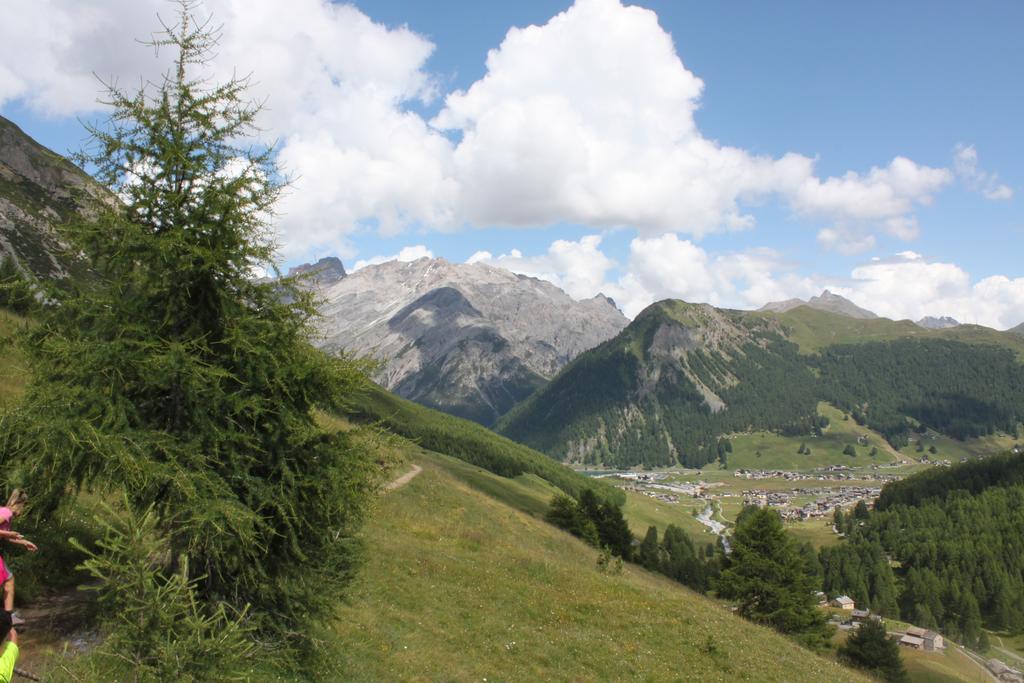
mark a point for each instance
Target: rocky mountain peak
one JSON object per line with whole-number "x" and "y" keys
{"x": 942, "y": 323}
{"x": 826, "y": 301}
{"x": 40, "y": 189}
{"x": 324, "y": 272}
{"x": 470, "y": 339}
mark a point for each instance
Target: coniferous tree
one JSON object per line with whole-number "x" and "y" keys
{"x": 768, "y": 577}
{"x": 869, "y": 648}
{"x": 650, "y": 556}
{"x": 174, "y": 377}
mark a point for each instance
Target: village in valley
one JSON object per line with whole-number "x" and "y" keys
{"x": 762, "y": 471}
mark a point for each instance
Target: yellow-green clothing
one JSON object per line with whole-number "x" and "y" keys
{"x": 7, "y": 660}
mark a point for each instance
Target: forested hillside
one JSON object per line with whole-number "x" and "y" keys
{"x": 468, "y": 441}
{"x": 663, "y": 391}
{"x": 957, "y": 536}
{"x": 682, "y": 378}
{"x": 957, "y": 389}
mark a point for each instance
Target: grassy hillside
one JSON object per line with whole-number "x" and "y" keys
{"x": 770, "y": 451}
{"x": 813, "y": 330}
{"x": 460, "y": 586}
{"x": 12, "y": 369}
{"x": 469, "y": 441}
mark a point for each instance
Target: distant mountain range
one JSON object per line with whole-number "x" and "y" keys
{"x": 682, "y": 376}
{"x": 931, "y": 323}
{"x": 827, "y": 301}
{"x": 469, "y": 339}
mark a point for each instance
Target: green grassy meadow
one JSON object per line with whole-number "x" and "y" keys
{"x": 643, "y": 511}
{"x": 813, "y": 330}
{"x": 460, "y": 586}
{"x": 770, "y": 451}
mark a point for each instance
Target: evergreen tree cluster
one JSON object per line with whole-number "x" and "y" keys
{"x": 599, "y": 523}
{"x": 958, "y": 389}
{"x": 602, "y": 525}
{"x": 678, "y": 558}
{"x": 958, "y": 537}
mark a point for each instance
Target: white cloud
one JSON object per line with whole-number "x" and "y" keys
{"x": 577, "y": 267}
{"x": 965, "y": 164}
{"x": 588, "y": 118}
{"x": 607, "y": 137}
{"x": 909, "y": 286}
{"x": 905, "y": 286}
{"x": 336, "y": 86}
{"x": 845, "y": 241}
{"x": 412, "y": 253}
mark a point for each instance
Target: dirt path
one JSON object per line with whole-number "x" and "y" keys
{"x": 53, "y": 623}
{"x": 403, "y": 480}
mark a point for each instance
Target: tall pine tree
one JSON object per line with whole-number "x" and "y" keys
{"x": 175, "y": 378}
{"x": 768, "y": 577}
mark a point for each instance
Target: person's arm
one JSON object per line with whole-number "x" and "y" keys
{"x": 9, "y": 535}
{"x": 24, "y": 543}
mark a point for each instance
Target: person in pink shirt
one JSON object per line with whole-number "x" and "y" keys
{"x": 15, "y": 507}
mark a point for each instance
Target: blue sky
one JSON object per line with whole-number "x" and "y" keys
{"x": 369, "y": 103}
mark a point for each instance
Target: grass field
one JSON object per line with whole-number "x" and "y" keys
{"x": 954, "y": 450}
{"x": 812, "y": 330}
{"x": 643, "y": 511}
{"x": 769, "y": 451}
{"x": 459, "y": 586}
{"x": 945, "y": 667}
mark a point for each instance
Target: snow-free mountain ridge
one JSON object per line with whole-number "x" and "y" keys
{"x": 470, "y": 339}
{"x": 38, "y": 190}
{"x": 933, "y": 323}
{"x": 827, "y": 301}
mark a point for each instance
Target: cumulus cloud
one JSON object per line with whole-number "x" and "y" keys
{"x": 609, "y": 138}
{"x": 412, "y": 253}
{"x": 578, "y": 267}
{"x": 588, "y": 118}
{"x": 965, "y": 163}
{"x": 905, "y": 286}
{"x": 909, "y": 286}
{"x": 337, "y": 88}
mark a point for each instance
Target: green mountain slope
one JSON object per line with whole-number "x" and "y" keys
{"x": 813, "y": 330}
{"x": 469, "y": 441}
{"x": 682, "y": 376}
{"x": 461, "y": 586}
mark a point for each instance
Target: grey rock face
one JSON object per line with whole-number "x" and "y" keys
{"x": 469, "y": 339}
{"x": 942, "y": 323}
{"x": 323, "y": 273}
{"x": 39, "y": 189}
{"x": 827, "y": 301}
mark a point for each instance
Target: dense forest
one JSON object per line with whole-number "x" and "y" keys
{"x": 958, "y": 389}
{"x": 956, "y": 538}
{"x": 666, "y": 390}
